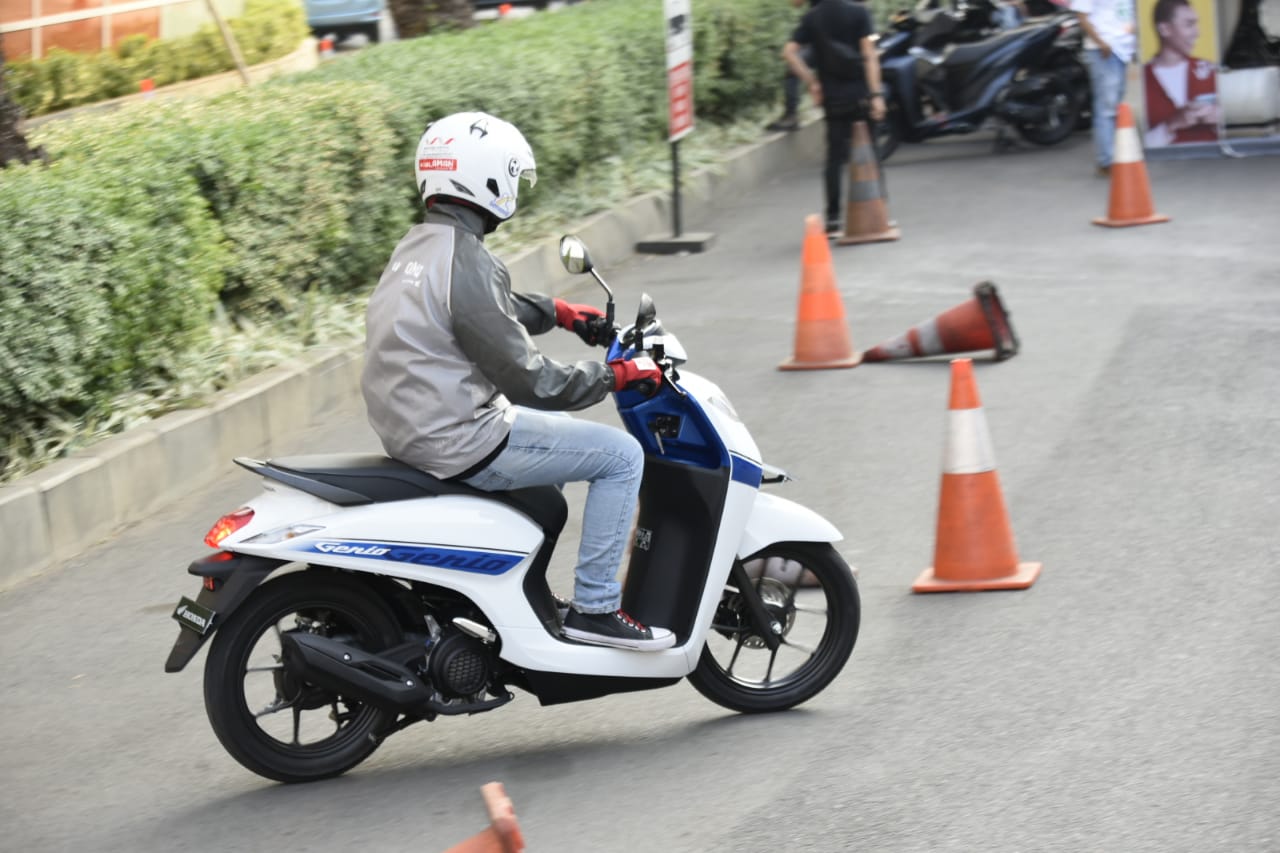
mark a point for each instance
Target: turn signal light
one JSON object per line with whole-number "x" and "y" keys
{"x": 228, "y": 524}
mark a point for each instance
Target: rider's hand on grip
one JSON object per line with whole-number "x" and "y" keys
{"x": 586, "y": 321}
{"x": 638, "y": 374}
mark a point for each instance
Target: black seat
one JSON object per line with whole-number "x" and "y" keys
{"x": 352, "y": 479}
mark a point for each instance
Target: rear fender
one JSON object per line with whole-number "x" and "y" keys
{"x": 234, "y": 577}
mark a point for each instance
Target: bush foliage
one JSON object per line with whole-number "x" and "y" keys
{"x": 156, "y": 218}
{"x": 268, "y": 30}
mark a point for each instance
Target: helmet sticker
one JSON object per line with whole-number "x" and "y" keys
{"x": 437, "y": 164}
{"x": 480, "y": 128}
{"x": 513, "y": 167}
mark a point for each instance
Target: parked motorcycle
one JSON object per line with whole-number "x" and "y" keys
{"x": 357, "y": 595}
{"x": 948, "y": 72}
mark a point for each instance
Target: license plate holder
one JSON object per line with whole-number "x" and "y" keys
{"x": 194, "y": 617}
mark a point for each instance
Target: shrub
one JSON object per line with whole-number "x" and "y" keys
{"x": 268, "y": 29}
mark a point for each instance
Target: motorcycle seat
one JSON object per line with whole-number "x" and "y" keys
{"x": 352, "y": 479}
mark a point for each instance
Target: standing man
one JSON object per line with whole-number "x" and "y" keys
{"x": 846, "y": 85}
{"x": 1109, "y": 47}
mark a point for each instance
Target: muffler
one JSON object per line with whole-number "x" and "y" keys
{"x": 349, "y": 671}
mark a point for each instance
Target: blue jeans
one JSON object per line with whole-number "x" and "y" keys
{"x": 551, "y": 449}
{"x": 1107, "y": 76}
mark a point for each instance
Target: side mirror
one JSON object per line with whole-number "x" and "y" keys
{"x": 645, "y": 315}
{"x": 574, "y": 255}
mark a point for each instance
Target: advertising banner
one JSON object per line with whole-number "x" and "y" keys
{"x": 1178, "y": 49}
{"x": 679, "y": 68}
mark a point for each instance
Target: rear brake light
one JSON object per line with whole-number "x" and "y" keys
{"x": 228, "y": 524}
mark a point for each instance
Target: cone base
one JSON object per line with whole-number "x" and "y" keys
{"x": 792, "y": 364}
{"x": 1124, "y": 223}
{"x": 878, "y": 237}
{"x": 1024, "y": 576}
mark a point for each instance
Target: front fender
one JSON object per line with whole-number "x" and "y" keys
{"x": 774, "y": 519}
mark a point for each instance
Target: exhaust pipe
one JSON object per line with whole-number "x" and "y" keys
{"x": 349, "y": 671}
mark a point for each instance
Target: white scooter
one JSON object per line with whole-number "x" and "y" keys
{"x": 395, "y": 597}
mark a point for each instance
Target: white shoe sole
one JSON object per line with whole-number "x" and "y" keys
{"x": 654, "y": 645}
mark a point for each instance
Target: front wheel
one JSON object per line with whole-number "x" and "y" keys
{"x": 267, "y": 716}
{"x": 811, "y": 595}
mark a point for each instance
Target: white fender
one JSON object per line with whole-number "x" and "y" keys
{"x": 775, "y": 519}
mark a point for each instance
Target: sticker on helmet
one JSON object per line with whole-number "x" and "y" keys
{"x": 513, "y": 168}
{"x": 437, "y": 164}
{"x": 480, "y": 128}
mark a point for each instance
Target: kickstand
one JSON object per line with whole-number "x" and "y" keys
{"x": 1006, "y": 139}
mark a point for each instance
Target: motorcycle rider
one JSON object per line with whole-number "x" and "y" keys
{"x": 455, "y": 386}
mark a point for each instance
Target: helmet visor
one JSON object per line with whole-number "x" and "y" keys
{"x": 530, "y": 175}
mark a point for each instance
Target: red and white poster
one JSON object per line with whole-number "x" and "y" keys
{"x": 679, "y": 67}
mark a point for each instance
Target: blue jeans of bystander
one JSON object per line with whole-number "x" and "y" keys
{"x": 1107, "y": 76}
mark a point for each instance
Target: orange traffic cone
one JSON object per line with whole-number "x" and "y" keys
{"x": 974, "y": 548}
{"x": 981, "y": 323}
{"x": 503, "y": 833}
{"x": 326, "y": 48}
{"x": 866, "y": 218}
{"x": 1130, "y": 189}
{"x": 822, "y": 339}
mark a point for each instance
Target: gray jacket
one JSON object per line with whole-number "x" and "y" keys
{"x": 447, "y": 349}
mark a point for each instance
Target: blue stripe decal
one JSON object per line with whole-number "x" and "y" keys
{"x": 459, "y": 559}
{"x": 745, "y": 471}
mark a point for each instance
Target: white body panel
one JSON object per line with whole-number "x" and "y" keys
{"x": 775, "y": 519}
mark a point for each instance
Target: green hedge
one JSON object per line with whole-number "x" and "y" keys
{"x": 268, "y": 30}
{"x": 155, "y": 216}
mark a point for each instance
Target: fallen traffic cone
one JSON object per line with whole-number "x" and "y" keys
{"x": 1130, "y": 190}
{"x": 981, "y": 323}
{"x": 866, "y": 218}
{"x": 503, "y": 833}
{"x": 822, "y": 339}
{"x": 974, "y": 548}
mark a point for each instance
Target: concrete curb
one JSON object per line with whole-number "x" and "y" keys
{"x": 70, "y": 505}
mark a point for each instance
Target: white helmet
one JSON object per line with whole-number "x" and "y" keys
{"x": 477, "y": 158}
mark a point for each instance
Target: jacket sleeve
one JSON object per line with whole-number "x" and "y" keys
{"x": 535, "y": 312}
{"x": 489, "y": 329}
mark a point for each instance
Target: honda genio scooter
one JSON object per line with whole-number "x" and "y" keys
{"x": 357, "y": 595}
{"x": 1030, "y": 78}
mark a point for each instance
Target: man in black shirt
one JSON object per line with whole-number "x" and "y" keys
{"x": 846, "y": 83}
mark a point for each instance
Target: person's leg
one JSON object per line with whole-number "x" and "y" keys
{"x": 839, "y": 143}
{"x": 1107, "y": 76}
{"x": 551, "y": 449}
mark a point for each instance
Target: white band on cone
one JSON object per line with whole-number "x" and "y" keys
{"x": 969, "y": 449}
{"x": 1128, "y": 146}
{"x": 930, "y": 342}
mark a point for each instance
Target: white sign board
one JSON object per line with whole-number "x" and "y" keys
{"x": 677, "y": 14}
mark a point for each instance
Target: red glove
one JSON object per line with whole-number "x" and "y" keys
{"x": 638, "y": 374}
{"x": 586, "y": 321}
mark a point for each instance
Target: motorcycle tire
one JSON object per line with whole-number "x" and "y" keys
{"x": 268, "y": 741}
{"x": 1070, "y": 103}
{"x": 794, "y": 579}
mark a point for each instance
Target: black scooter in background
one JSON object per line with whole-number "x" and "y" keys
{"x": 946, "y": 72}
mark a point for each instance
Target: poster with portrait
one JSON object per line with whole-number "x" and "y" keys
{"x": 1178, "y": 49}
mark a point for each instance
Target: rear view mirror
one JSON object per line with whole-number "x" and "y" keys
{"x": 574, "y": 255}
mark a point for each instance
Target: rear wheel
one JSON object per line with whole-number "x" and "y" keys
{"x": 267, "y": 717}
{"x": 810, "y": 594}
{"x": 1064, "y": 101}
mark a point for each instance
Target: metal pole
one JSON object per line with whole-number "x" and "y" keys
{"x": 230, "y": 39}
{"x": 675, "y": 188}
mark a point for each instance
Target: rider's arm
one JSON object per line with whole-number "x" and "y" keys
{"x": 485, "y": 323}
{"x": 536, "y": 312}
{"x": 871, "y": 64}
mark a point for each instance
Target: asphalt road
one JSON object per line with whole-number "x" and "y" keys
{"x": 1126, "y": 702}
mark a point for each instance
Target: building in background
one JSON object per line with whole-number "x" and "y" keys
{"x": 30, "y": 28}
